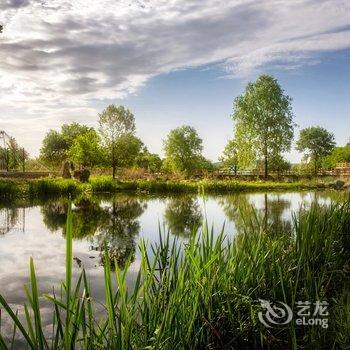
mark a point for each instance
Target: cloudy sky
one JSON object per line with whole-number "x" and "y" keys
{"x": 171, "y": 62}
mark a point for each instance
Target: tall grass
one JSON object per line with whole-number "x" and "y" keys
{"x": 102, "y": 184}
{"x": 204, "y": 294}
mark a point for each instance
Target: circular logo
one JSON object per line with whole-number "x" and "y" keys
{"x": 275, "y": 314}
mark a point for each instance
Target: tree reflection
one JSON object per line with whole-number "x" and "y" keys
{"x": 87, "y": 216}
{"x": 113, "y": 224}
{"x": 183, "y": 215}
{"x": 10, "y": 218}
{"x": 118, "y": 233}
{"x": 245, "y": 213}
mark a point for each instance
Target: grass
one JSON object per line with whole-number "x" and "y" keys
{"x": 205, "y": 294}
{"x": 103, "y": 184}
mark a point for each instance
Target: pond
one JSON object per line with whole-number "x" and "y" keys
{"x": 38, "y": 230}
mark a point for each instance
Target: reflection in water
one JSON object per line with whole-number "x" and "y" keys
{"x": 120, "y": 221}
{"x": 242, "y": 211}
{"x": 183, "y": 215}
{"x": 118, "y": 233}
{"x": 114, "y": 226}
{"x": 11, "y": 219}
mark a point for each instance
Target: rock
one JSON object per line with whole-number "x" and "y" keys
{"x": 82, "y": 175}
{"x": 65, "y": 171}
{"x": 338, "y": 185}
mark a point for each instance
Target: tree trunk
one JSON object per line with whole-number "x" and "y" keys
{"x": 113, "y": 161}
{"x": 315, "y": 169}
{"x": 235, "y": 170}
{"x": 265, "y": 168}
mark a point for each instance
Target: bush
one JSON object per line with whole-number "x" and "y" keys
{"x": 82, "y": 175}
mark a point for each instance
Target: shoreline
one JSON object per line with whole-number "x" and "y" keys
{"x": 14, "y": 188}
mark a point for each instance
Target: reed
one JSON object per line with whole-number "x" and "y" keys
{"x": 205, "y": 293}
{"x": 103, "y": 184}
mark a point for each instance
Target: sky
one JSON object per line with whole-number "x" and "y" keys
{"x": 172, "y": 62}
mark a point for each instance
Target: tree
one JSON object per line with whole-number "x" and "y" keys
{"x": 86, "y": 150}
{"x": 149, "y": 161}
{"x": 183, "y": 150}
{"x": 338, "y": 155}
{"x": 229, "y": 157}
{"x": 315, "y": 142}
{"x": 264, "y": 126}
{"x": 128, "y": 147}
{"x": 115, "y": 121}
{"x": 56, "y": 144}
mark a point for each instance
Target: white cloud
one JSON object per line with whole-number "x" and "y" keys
{"x": 56, "y": 56}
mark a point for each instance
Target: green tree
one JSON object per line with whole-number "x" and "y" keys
{"x": 229, "y": 157}
{"x": 149, "y": 161}
{"x": 86, "y": 150}
{"x": 315, "y": 142}
{"x": 279, "y": 164}
{"x": 183, "y": 150}
{"x": 56, "y": 144}
{"x": 338, "y": 155}
{"x": 128, "y": 147}
{"x": 115, "y": 122}
{"x": 264, "y": 126}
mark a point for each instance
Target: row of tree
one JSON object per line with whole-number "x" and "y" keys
{"x": 263, "y": 132}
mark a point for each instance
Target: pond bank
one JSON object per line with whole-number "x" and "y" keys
{"x": 63, "y": 187}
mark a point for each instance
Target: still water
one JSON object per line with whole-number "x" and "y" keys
{"x": 38, "y": 230}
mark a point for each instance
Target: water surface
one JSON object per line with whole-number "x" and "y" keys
{"x": 38, "y": 230}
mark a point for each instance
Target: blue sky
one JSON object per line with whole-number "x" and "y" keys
{"x": 172, "y": 62}
{"x": 203, "y": 98}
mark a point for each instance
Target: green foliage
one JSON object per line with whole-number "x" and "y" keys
{"x": 229, "y": 157}
{"x": 128, "y": 147}
{"x": 86, "y": 150}
{"x": 264, "y": 126}
{"x": 338, "y": 155}
{"x": 56, "y": 144}
{"x": 115, "y": 122}
{"x": 14, "y": 155}
{"x": 202, "y": 294}
{"x": 183, "y": 151}
{"x": 149, "y": 161}
{"x": 315, "y": 142}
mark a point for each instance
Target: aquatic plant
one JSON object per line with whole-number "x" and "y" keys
{"x": 205, "y": 293}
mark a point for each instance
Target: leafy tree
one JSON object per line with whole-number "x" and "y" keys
{"x": 86, "y": 150}
{"x": 13, "y": 155}
{"x": 279, "y": 164}
{"x": 115, "y": 122}
{"x": 71, "y": 131}
{"x": 128, "y": 147}
{"x": 338, "y": 155}
{"x": 56, "y": 144}
{"x": 264, "y": 126}
{"x": 183, "y": 150}
{"x": 315, "y": 142}
{"x": 229, "y": 157}
{"x": 149, "y": 161}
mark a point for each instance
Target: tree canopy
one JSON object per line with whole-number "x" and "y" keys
{"x": 56, "y": 144}
{"x": 338, "y": 155}
{"x": 264, "y": 126}
{"x": 315, "y": 142}
{"x": 86, "y": 150}
{"x": 183, "y": 150}
{"x": 115, "y": 122}
{"x": 229, "y": 157}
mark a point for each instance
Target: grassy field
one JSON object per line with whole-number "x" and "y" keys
{"x": 205, "y": 294}
{"x": 101, "y": 184}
